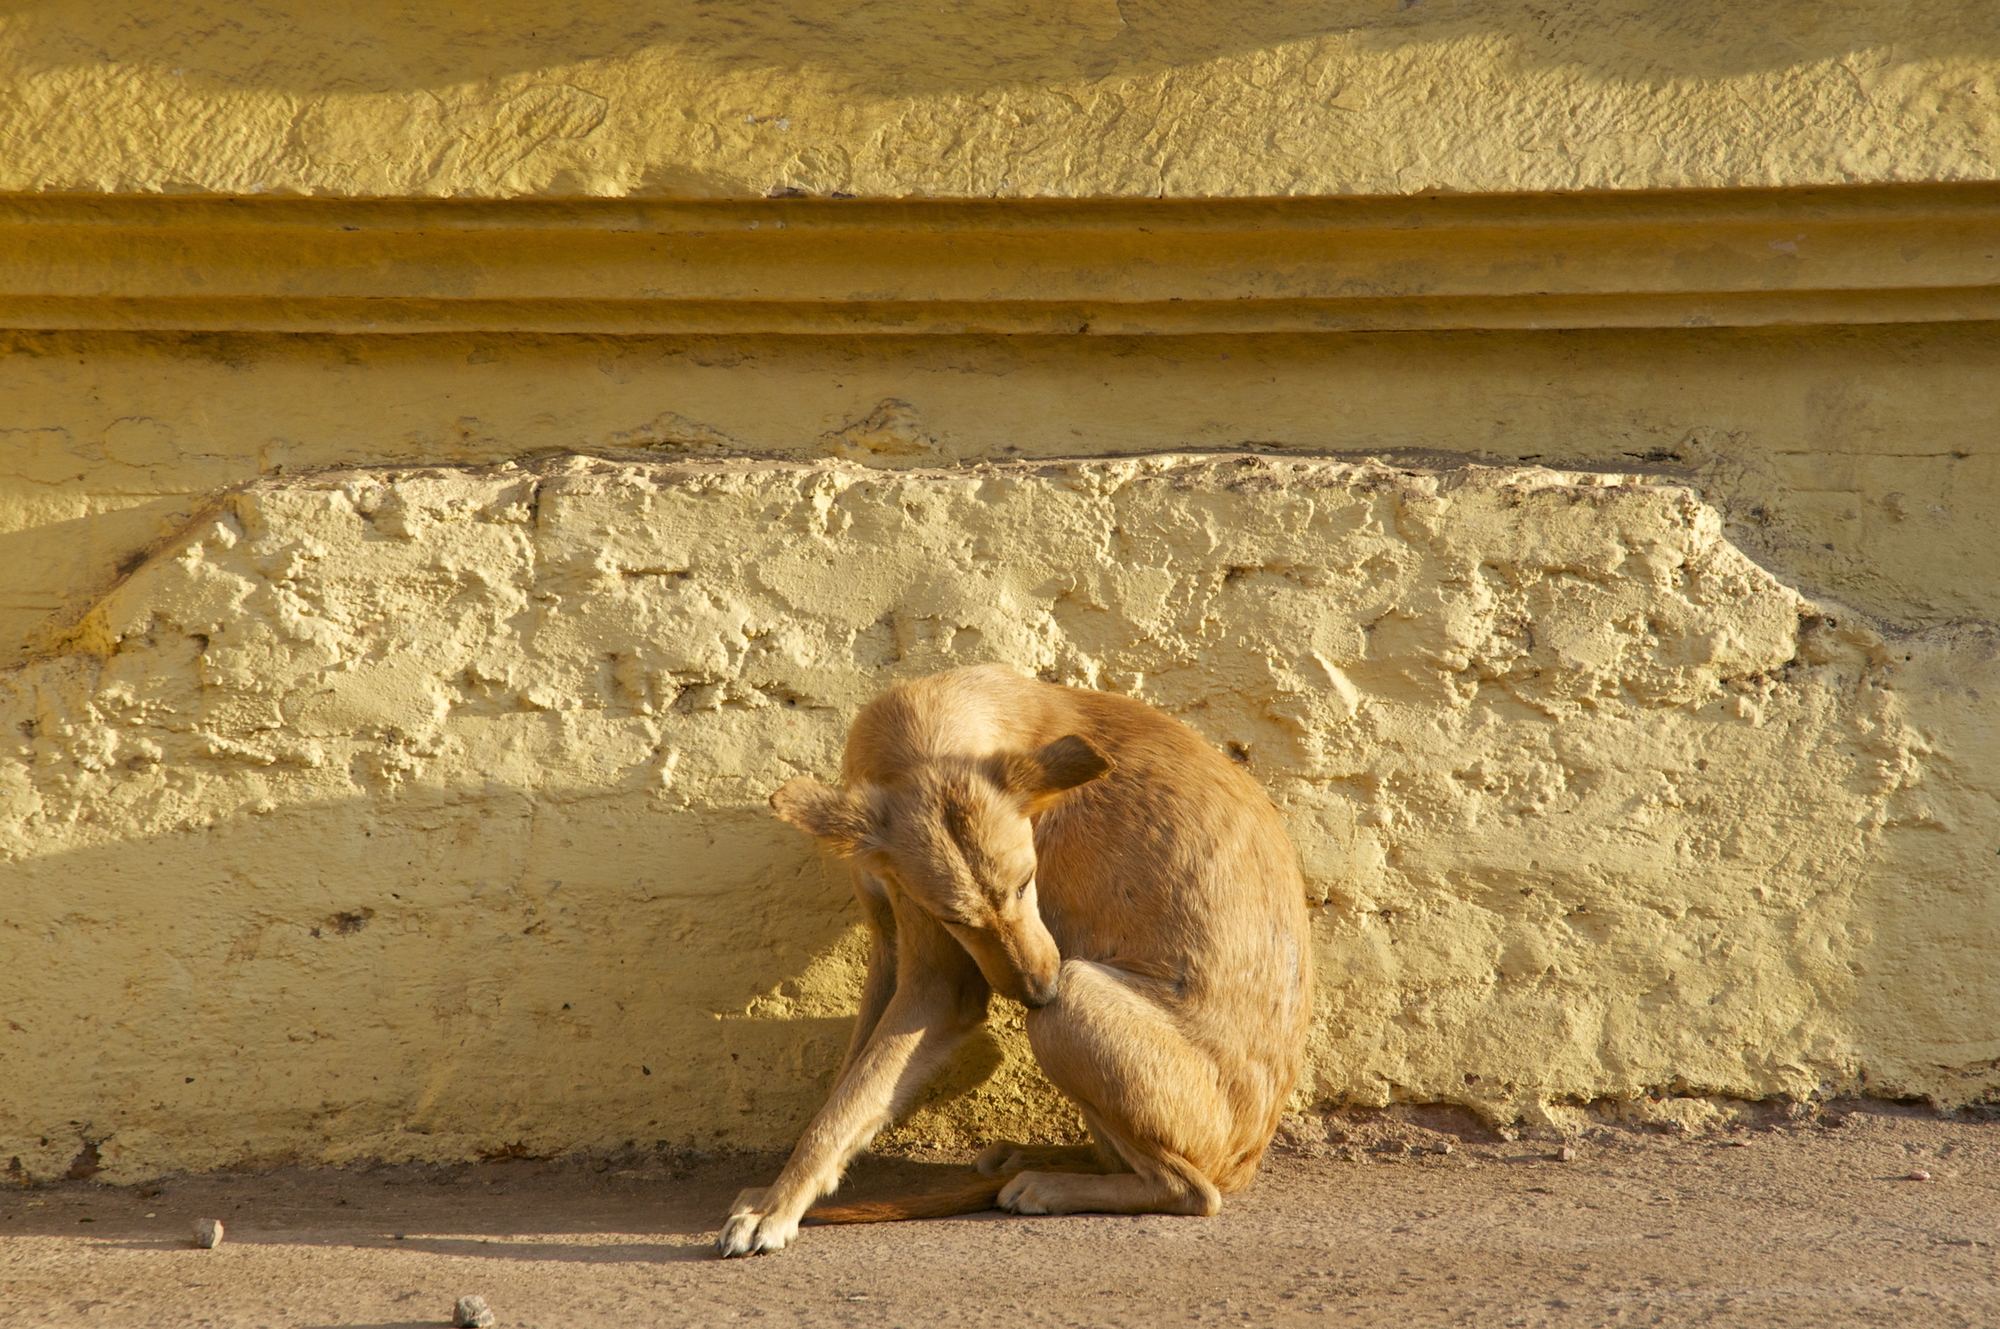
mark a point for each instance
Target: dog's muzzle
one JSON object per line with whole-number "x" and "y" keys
{"x": 1037, "y": 995}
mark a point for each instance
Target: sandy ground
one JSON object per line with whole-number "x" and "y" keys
{"x": 1371, "y": 1220}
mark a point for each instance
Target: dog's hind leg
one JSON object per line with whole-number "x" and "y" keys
{"x": 1007, "y": 1156}
{"x": 1147, "y": 1092}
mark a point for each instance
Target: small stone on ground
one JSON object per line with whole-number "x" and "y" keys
{"x": 472, "y": 1313}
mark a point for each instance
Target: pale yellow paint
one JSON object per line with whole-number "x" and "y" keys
{"x": 1105, "y": 267}
{"x": 385, "y": 814}
{"x": 985, "y": 98}
{"x": 419, "y": 813}
{"x": 1856, "y": 462}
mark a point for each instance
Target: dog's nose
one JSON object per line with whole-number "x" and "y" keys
{"x": 1037, "y": 994}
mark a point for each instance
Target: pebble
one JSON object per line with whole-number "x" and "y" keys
{"x": 208, "y": 1233}
{"x": 472, "y": 1313}
{"x": 1920, "y": 1175}
{"x": 1566, "y": 1154}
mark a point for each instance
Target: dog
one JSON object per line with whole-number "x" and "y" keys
{"x": 1098, "y": 862}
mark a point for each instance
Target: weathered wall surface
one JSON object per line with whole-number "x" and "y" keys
{"x": 1855, "y": 462}
{"x": 1069, "y": 98}
{"x": 419, "y": 813}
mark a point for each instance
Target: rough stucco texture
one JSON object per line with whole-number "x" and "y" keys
{"x": 1857, "y": 462}
{"x": 993, "y": 97}
{"x": 420, "y": 813}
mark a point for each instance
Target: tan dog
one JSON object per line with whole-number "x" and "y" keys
{"x": 1099, "y": 863}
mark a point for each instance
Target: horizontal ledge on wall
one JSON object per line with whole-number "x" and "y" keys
{"x": 997, "y": 318}
{"x": 1865, "y": 254}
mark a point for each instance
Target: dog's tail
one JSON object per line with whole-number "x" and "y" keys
{"x": 939, "y": 1204}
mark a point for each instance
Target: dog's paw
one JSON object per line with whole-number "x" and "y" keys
{"x": 755, "y": 1234}
{"x": 749, "y": 1231}
{"x": 1028, "y": 1193}
{"x": 1002, "y": 1157}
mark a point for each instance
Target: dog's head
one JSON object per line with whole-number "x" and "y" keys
{"x": 955, "y": 837}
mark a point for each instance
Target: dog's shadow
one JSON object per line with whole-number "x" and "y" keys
{"x": 525, "y": 1247}
{"x": 693, "y": 1213}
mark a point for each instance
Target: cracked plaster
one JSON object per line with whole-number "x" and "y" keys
{"x": 418, "y": 813}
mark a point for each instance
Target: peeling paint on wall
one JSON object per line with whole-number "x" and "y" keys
{"x": 419, "y": 813}
{"x": 1855, "y": 462}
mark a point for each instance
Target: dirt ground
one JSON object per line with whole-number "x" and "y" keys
{"x": 1402, "y": 1220}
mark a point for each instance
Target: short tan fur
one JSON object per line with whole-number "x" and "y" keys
{"x": 1098, "y": 862}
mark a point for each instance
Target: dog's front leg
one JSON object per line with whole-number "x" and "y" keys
{"x": 939, "y": 998}
{"x": 880, "y": 984}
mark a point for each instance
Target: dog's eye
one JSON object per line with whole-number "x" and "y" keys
{"x": 1022, "y": 890}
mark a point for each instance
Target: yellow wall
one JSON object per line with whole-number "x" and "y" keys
{"x": 370, "y": 565}
{"x": 421, "y": 813}
{"x": 1808, "y": 910}
{"x": 992, "y": 98}
{"x": 1853, "y": 460}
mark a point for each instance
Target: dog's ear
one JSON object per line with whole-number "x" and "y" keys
{"x": 835, "y": 818}
{"x": 1063, "y": 764}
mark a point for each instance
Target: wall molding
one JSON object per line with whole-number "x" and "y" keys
{"x": 1695, "y": 258}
